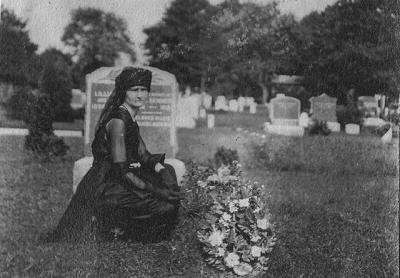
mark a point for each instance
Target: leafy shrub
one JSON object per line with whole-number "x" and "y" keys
{"x": 18, "y": 104}
{"x": 224, "y": 156}
{"x": 349, "y": 115}
{"x": 319, "y": 128}
{"x": 381, "y": 130}
{"x": 41, "y": 138}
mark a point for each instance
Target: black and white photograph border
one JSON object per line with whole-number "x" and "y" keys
{"x": 199, "y": 138}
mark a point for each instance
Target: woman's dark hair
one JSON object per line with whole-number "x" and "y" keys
{"x": 128, "y": 78}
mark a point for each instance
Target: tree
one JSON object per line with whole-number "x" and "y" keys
{"x": 16, "y": 49}
{"x": 352, "y": 44}
{"x": 55, "y": 81}
{"x": 256, "y": 42}
{"x": 96, "y": 38}
{"x": 183, "y": 42}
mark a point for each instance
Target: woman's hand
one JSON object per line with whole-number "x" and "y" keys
{"x": 167, "y": 195}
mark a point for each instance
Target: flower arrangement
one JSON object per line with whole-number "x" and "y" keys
{"x": 236, "y": 234}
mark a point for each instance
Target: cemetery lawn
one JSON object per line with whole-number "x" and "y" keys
{"x": 334, "y": 217}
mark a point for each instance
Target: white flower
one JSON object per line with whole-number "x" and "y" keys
{"x": 231, "y": 260}
{"x": 201, "y": 184}
{"x": 244, "y": 203}
{"x": 243, "y": 269}
{"x": 223, "y": 171}
{"x": 263, "y": 224}
{"x": 232, "y": 207}
{"x": 221, "y": 252}
{"x": 213, "y": 178}
{"x": 216, "y": 238}
{"x": 256, "y": 251}
{"x": 255, "y": 238}
{"x": 226, "y": 216}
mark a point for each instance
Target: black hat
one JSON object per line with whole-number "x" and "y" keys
{"x": 131, "y": 76}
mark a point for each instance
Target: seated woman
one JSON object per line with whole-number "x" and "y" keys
{"x": 127, "y": 189}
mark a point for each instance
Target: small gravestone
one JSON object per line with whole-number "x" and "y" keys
{"x": 370, "y": 106}
{"x": 156, "y": 119}
{"x": 210, "y": 121}
{"x": 184, "y": 117}
{"x": 352, "y": 129}
{"x": 233, "y": 105}
{"x": 333, "y": 126}
{"x": 304, "y": 119}
{"x": 78, "y": 99}
{"x": 241, "y": 104}
{"x": 206, "y": 100}
{"x": 203, "y": 113}
{"x": 249, "y": 101}
{"x": 284, "y": 115}
{"x": 285, "y": 110}
{"x": 220, "y": 103}
{"x": 324, "y": 108}
{"x": 253, "y": 108}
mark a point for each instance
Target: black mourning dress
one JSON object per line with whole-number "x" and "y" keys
{"x": 103, "y": 203}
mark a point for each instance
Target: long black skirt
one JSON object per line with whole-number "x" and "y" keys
{"x": 102, "y": 208}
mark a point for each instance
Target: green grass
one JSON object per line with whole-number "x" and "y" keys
{"x": 334, "y": 201}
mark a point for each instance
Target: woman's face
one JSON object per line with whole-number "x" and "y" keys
{"x": 136, "y": 96}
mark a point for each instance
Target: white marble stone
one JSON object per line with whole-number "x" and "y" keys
{"x": 233, "y": 105}
{"x": 353, "y": 129}
{"x": 373, "y": 121}
{"x": 333, "y": 126}
{"x": 210, "y": 121}
{"x": 203, "y": 113}
{"x": 220, "y": 104}
{"x": 207, "y": 100}
{"x": 304, "y": 119}
{"x": 253, "y": 108}
{"x": 83, "y": 165}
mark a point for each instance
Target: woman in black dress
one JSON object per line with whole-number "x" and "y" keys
{"x": 127, "y": 189}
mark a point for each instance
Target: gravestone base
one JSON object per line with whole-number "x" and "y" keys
{"x": 333, "y": 126}
{"x": 373, "y": 121}
{"x": 288, "y": 130}
{"x": 83, "y": 165}
{"x": 352, "y": 129}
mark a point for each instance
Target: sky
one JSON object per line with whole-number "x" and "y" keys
{"x": 48, "y": 18}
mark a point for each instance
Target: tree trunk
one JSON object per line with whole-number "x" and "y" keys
{"x": 265, "y": 93}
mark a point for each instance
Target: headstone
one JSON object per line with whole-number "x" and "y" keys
{"x": 253, "y": 108}
{"x": 280, "y": 95}
{"x": 203, "y": 113}
{"x": 284, "y": 115}
{"x": 249, "y": 101}
{"x": 207, "y": 101}
{"x": 285, "y": 111}
{"x": 370, "y": 105}
{"x": 333, "y": 126}
{"x": 157, "y": 117}
{"x": 220, "y": 103}
{"x": 353, "y": 129}
{"x": 233, "y": 105}
{"x": 184, "y": 117}
{"x": 210, "y": 121}
{"x": 304, "y": 119}
{"x": 78, "y": 99}
{"x": 241, "y": 104}
{"x": 323, "y": 108}
{"x": 373, "y": 121}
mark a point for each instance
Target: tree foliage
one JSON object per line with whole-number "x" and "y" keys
{"x": 96, "y": 38}
{"x": 16, "y": 50}
{"x": 183, "y": 42}
{"x": 352, "y": 44}
{"x": 55, "y": 81}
